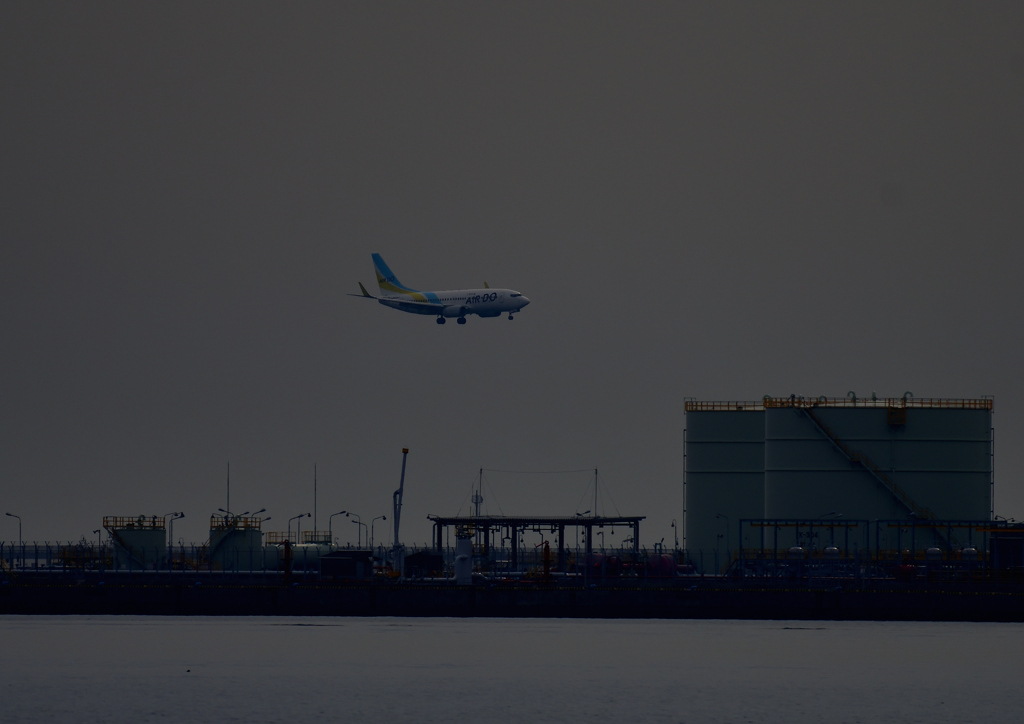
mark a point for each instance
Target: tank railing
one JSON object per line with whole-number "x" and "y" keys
{"x": 796, "y": 401}
{"x": 726, "y": 405}
{"x": 276, "y": 537}
{"x": 141, "y": 522}
{"x": 316, "y": 536}
{"x": 224, "y": 522}
{"x": 888, "y": 402}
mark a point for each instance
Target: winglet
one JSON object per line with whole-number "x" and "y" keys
{"x": 363, "y": 290}
{"x": 486, "y": 285}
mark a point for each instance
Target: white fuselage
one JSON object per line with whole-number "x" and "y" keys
{"x": 459, "y": 302}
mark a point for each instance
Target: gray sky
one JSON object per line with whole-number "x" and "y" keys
{"x": 712, "y": 200}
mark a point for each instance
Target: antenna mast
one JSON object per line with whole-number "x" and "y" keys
{"x": 478, "y": 496}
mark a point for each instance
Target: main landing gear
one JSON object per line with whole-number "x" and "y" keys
{"x": 461, "y": 320}
{"x": 441, "y": 320}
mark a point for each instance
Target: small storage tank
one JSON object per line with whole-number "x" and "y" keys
{"x": 139, "y": 543}
{"x": 463, "y": 560}
{"x": 236, "y": 543}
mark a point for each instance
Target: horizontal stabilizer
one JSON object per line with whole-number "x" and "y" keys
{"x": 364, "y": 292}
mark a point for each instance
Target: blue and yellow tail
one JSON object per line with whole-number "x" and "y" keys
{"x": 388, "y": 282}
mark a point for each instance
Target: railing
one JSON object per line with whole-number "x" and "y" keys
{"x": 277, "y": 537}
{"x": 316, "y": 536}
{"x": 612, "y": 566}
{"x": 699, "y": 406}
{"x": 222, "y": 522}
{"x": 889, "y": 402}
{"x": 141, "y": 522}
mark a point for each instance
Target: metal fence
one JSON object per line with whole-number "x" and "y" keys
{"x": 810, "y": 550}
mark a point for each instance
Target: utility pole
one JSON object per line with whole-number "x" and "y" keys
{"x": 314, "y": 500}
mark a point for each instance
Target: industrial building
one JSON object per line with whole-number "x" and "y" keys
{"x": 826, "y": 459}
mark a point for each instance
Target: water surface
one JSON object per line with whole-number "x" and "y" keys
{"x": 298, "y": 670}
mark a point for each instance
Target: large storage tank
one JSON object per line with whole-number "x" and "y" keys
{"x": 724, "y": 477}
{"x": 878, "y": 459}
{"x": 832, "y": 459}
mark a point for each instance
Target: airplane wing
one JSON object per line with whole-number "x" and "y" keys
{"x": 414, "y": 307}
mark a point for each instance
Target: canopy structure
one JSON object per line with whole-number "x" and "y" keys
{"x": 484, "y": 525}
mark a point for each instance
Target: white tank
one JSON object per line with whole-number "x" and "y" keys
{"x": 463, "y": 561}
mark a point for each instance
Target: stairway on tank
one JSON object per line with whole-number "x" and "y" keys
{"x": 947, "y": 541}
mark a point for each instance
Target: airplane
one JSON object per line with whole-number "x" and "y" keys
{"x": 456, "y": 303}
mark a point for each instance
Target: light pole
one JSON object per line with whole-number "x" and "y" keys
{"x": 330, "y": 520}
{"x": 675, "y": 532}
{"x": 358, "y": 521}
{"x": 379, "y": 517}
{"x": 297, "y": 525}
{"x": 98, "y": 543}
{"x": 170, "y": 531}
{"x": 19, "y": 526}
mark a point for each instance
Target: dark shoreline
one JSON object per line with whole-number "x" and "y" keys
{"x": 695, "y": 598}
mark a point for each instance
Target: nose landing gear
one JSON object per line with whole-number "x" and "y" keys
{"x": 441, "y": 320}
{"x": 510, "y": 316}
{"x": 461, "y": 320}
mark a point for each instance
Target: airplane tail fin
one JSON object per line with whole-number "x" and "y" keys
{"x": 387, "y": 281}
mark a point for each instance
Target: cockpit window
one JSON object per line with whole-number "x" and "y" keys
{"x": 515, "y": 294}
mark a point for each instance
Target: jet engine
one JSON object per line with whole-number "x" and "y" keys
{"x": 455, "y": 310}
